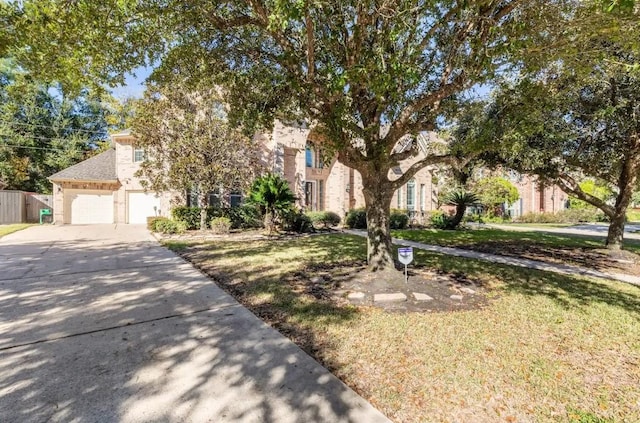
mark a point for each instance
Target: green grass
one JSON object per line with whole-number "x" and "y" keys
{"x": 471, "y": 237}
{"x": 540, "y": 225}
{"x": 548, "y": 347}
{"x": 9, "y": 229}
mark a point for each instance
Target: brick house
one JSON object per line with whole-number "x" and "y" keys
{"x": 104, "y": 189}
{"x": 536, "y": 197}
{"x": 289, "y": 150}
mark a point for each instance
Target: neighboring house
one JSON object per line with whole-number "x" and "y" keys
{"x": 290, "y": 151}
{"x": 536, "y": 197}
{"x": 104, "y": 189}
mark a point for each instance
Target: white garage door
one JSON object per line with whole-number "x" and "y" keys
{"x": 89, "y": 207}
{"x": 141, "y": 205}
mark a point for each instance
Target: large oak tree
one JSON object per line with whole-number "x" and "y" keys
{"x": 366, "y": 74}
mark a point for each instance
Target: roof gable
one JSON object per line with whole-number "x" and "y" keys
{"x": 101, "y": 167}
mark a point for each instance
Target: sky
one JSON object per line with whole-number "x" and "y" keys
{"x": 134, "y": 84}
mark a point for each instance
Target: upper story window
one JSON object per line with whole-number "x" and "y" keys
{"x": 313, "y": 157}
{"x": 139, "y": 155}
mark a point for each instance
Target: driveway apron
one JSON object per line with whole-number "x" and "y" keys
{"x": 99, "y": 323}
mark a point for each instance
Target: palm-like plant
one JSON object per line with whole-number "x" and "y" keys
{"x": 272, "y": 195}
{"x": 461, "y": 199}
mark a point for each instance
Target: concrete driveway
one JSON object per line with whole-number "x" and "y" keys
{"x": 100, "y": 324}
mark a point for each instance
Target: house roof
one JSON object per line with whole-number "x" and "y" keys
{"x": 101, "y": 167}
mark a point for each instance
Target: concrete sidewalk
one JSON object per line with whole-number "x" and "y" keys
{"x": 511, "y": 261}
{"x": 101, "y": 324}
{"x": 587, "y": 229}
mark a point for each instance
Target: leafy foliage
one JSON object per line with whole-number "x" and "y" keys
{"x": 461, "y": 199}
{"x": 189, "y": 144}
{"x": 398, "y": 220}
{"x": 243, "y": 217}
{"x": 272, "y": 195}
{"x": 324, "y": 218}
{"x": 165, "y": 225}
{"x": 220, "y": 225}
{"x": 370, "y": 75}
{"x": 43, "y": 131}
{"x": 297, "y": 221}
{"x": 594, "y": 188}
{"x": 356, "y": 219}
{"x": 565, "y": 216}
{"x": 494, "y": 191}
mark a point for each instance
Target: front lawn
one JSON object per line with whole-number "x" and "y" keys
{"x": 9, "y": 229}
{"x": 546, "y": 347}
{"x": 580, "y": 250}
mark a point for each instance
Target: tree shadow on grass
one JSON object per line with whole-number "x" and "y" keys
{"x": 292, "y": 299}
{"x": 116, "y": 333}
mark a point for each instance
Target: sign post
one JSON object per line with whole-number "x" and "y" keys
{"x": 405, "y": 256}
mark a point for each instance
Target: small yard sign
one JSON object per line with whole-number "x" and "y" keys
{"x": 405, "y": 256}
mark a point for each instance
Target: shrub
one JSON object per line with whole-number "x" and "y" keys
{"x": 245, "y": 216}
{"x": 325, "y": 218}
{"x": 565, "y": 216}
{"x": 151, "y": 222}
{"x": 356, "y": 219}
{"x": 168, "y": 226}
{"x": 439, "y": 220}
{"x": 220, "y": 225}
{"x": 398, "y": 219}
{"x": 189, "y": 215}
{"x": 296, "y": 221}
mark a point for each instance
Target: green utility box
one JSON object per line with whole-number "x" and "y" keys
{"x": 44, "y": 213}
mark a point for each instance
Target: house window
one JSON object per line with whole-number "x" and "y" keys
{"x": 214, "y": 198}
{"x": 422, "y": 196}
{"x": 313, "y": 157}
{"x": 235, "y": 199}
{"x": 320, "y": 195}
{"x": 310, "y": 156}
{"x": 399, "y": 198}
{"x": 139, "y": 155}
{"x": 411, "y": 195}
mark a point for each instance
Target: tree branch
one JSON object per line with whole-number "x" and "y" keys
{"x": 421, "y": 164}
{"x": 570, "y": 186}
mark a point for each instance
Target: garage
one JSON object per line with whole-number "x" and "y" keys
{"x": 88, "y": 207}
{"x": 140, "y": 205}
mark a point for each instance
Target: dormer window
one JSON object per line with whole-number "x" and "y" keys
{"x": 139, "y": 155}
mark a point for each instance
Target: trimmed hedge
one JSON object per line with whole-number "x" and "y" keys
{"x": 296, "y": 221}
{"x": 398, "y": 219}
{"x": 220, "y": 225}
{"x": 245, "y": 216}
{"x": 326, "y": 218}
{"x": 356, "y": 219}
{"x": 165, "y": 225}
{"x": 565, "y": 216}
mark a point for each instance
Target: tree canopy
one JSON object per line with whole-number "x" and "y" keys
{"x": 189, "y": 145}
{"x": 366, "y": 74}
{"x": 43, "y": 131}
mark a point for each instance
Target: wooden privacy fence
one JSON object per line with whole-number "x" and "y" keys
{"x": 21, "y": 207}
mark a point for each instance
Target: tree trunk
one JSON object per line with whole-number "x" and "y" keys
{"x": 616, "y": 231}
{"x": 457, "y": 218}
{"x": 377, "y": 199}
{"x": 203, "y": 201}
{"x": 626, "y": 184}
